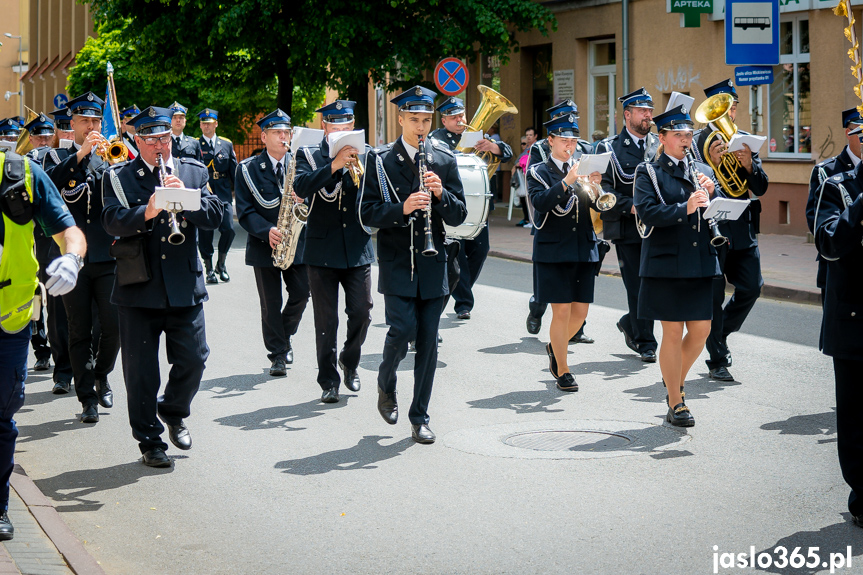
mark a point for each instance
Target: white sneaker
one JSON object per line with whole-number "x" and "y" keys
{"x": 528, "y": 226}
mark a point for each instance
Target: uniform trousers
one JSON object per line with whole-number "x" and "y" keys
{"x": 187, "y": 351}
{"x": 95, "y": 283}
{"x": 742, "y": 269}
{"x": 324, "y": 285}
{"x": 849, "y": 431}
{"x": 39, "y": 335}
{"x": 226, "y": 234}
{"x": 411, "y": 319}
{"x": 278, "y": 324}
{"x": 471, "y": 258}
{"x": 58, "y": 332}
{"x": 640, "y": 330}
{"x": 13, "y": 372}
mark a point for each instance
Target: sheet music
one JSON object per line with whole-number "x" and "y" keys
{"x": 355, "y": 138}
{"x": 589, "y": 163}
{"x": 676, "y": 99}
{"x": 469, "y": 139}
{"x": 305, "y": 137}
{"x": 724, "y": 209}
{"x": 180, "y": 198}
{"x": 754, "y": 142}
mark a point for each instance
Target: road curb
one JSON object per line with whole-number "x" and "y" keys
{"x": 68, "y": 545}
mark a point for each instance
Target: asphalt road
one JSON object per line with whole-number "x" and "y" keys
{"x": 279, "y": 483}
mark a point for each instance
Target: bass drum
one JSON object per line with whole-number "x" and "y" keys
{"x": 477, "y": 196}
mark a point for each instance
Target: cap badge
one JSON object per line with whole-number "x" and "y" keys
{"x": 41, "y": 118}
{"x": 152, "y": 113}
{"x": 67, "y": 112}
{"x": 683, "y": 109}
{"x": 571, "y": 118}
{"x": 206, "y": 111}
{"x": 452, "y": 100}
{"x": 90, "y": 97}
{"x": 338, "y": 105}
{"x": 418, "y": 91}
{"x": 730, "y": 84}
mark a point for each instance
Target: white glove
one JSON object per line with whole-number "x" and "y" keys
{"x": 64, "y": 275}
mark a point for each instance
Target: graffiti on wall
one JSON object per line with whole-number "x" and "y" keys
{"x": 826, "y": 149}
{"x": 680, "y": 80}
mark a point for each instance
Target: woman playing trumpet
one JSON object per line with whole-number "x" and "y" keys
{"x": 678, "y": 262}
{"x": 565, "y": 253}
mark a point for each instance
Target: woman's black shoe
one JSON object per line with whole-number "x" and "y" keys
{"x": 566, "y": 382}
{"x": 679, "y": 416}
{"x": 552, "y": 363}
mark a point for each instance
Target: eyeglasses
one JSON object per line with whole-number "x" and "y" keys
{"x": 524, "y": 143}
{"x": 164, "y": 140}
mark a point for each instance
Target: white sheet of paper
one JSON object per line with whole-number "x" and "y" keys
{"x": 469, "y": 139}
{"x": 7, "y": 146}
{"x": 64, "y": 143}
{"x": 180, "y": 198}
{"x": 676, "y": 99}
{"x": 589, "y": 163}
{"x": 723, "y": 209}
{"x": 738, "y": 139}
{"x": 305, "y": 137}
{"x": 355, "y": 138}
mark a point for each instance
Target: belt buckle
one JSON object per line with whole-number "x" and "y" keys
{"x": 215, "y": 175}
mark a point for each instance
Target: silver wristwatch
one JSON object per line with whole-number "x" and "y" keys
{"x": 78, "y": 259}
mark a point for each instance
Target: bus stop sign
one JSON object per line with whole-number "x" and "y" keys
{"x": 751, "y": 32}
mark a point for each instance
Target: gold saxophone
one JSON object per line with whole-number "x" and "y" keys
{"x": 292, "y": 218}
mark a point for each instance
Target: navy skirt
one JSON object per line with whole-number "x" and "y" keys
{"x": 675, "y": 299}
{"x": 564, "y": 282}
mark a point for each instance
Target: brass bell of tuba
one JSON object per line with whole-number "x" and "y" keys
{"x": 715, "y": 110}
{"x": 491, "y": 107}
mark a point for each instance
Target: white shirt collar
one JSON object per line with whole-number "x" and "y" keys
{"x": 211, "y": 142}
{"x": 169, "y": 163}
{"x": 282, "y": 161}
{"x": 854, "y": 159}
{"x": 412, "y": 152}
{"x": 635, "y": 138}
{"x": 559, "y": 164}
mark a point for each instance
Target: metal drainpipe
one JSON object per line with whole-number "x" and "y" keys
{"x": 625, "y": 8}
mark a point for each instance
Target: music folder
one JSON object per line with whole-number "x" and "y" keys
{"x": 355, "y": 138}
{"x": 724, "y": 209}
{"x": 589, "y": 163}
{"x": 178, "y": 199}
{"x": 305, "y": 137}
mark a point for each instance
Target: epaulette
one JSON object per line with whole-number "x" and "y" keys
{"x": 193, "y": 161}
{"x": 248, "y": 160}
{"x": 383, "y": 149}
{"x": 442, "y": 147}
{"x": 226, "y": 139}
{"x": 842, "y": 176}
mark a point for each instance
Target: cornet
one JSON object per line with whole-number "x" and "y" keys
{"x": 112, "y": 151}
{"x": 355, "y": 168}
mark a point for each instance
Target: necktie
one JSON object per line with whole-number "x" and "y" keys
{"x": 279, "y": 174}
{"x": 176, "y": 141}
{"x": 641, "y": 147}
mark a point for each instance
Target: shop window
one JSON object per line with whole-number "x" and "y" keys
{"x": 790, "y": 105}
{"x": 601, "y": 97}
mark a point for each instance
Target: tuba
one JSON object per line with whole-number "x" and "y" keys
{"x": 292, "y": 218}
{"x": 491, "y": 107}
{"x": 715, "y": 110}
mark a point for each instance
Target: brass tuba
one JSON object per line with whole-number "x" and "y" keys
{"x": 715, "y": 110}
{"x": 491, "y": 107}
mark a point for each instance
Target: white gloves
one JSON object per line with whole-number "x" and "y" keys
{"x": 64, "y": 275}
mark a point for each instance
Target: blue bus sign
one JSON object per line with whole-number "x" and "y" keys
{"x": 752, "y": 32}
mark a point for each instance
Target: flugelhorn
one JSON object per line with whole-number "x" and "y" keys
{"x": 112, "y": 151}
{"x": 176, "y": 237}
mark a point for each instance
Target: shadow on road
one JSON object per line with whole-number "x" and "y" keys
{"x": 831, "y": 539}
{"x": 628, "y": 365}
{"x": 812, "y": 424}
{"x": 281, "y": 416}
{"x": 47, "y": 430}
{"x": 534, "y": 401}
{"x": 695, "y": 389}
{"x": 528, "y": 344}
{"x": 234, "y": 385}
{"x": 364, "y": 455}
{"x": 43, "y": 397}
{"x": 373, "y": 361}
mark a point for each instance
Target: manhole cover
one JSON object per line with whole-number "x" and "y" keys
{"x": 575, "y": 440}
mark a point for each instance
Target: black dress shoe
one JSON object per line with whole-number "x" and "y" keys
{"x": 278, "y": 369}
{"x": 289, "y": 357}
{"x": 856, "y": 519}
{"x": 648, "y": 356}
{"x": 106, "y": 396}
{"x": 581, "y": 338}
{"x": 62, "y": 387}
{"x": 90, "y": 414}
{"x": 679, "y": 416}
{"x": 721, "y": 374}
{"x": 7, "y": 531}
{"x": 463, "y": 315}
{"x": 552, "y": 362}
{"x": 566, "y": 382}
{"x": 388, "y": 407}
{"x": 627, "y": 338}
{"x": 439, "y": 338}
{"x": 156, "y": 457}
{"x": 330, "y": 395}
{"x": 222, "y": 269}
{"x": 533, "y": 324}
{"x": 179, "y": 435}
{"x": 211, "y": 277}
{"x": 422, "y": 434}
{"x": 352, "y": 378}
{"x": 43, "y": 364}
{"x": 223, "y": 275}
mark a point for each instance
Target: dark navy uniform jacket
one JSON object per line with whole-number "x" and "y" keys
{"x": 679, "y": 246}
{"x": 839, "y": 238}
{"x": 256, "y": 183}
{"x": 81, "y": 187}
{"x": 334, "y": 236}
{"x": 562, "y": 237}
{"x": 187, "y": 148}
{"x": 403, "y": 270}
{"x": 618, "y": 223}
{"x": 221, "y": 164}
{"x": 176, "y": 278}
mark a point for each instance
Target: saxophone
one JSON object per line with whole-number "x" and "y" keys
{"x": 292, "y": 218}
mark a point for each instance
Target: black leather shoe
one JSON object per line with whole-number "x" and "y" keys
{"x": 352, "y": 378}
{"x": 179, "y": 435}
{"x": 210, "y": 273}
{"x": 533, "y": 324}
{"x": 7, "y": 531}
{"x": 278, "y": 369}
{"x": 721, "y": 374}
{"x": 222, "y": 269}
{"x": 43, "y": 364}
{"x": 90, "y": 414}
{"x": 648, "y": 356}
{"x": 62, "y": 387}
{"x": 289, "y": 357}
{"x": 679, "y": 416}
{"x": 552, "y": 362}
{"x": 106, "y": 396}
{"x": 566, "y": 382}
{"x": 388, "y": 407}
{"x": 463, "y": 315}
{"x": 439, "y": 338}
{"x": 156, "y": 457}
{"x": 330, "y": 395}
{"x": 627, "y": 338}
{"x": 857, "y": 520}
{"x": 581, "y": 339}
{"x": 422, "y": 434}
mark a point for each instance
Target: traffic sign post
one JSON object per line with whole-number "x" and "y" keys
{"x": 60, "y": 100}
{"x": 451, "y": 76}
{"x": 752, "y": 32}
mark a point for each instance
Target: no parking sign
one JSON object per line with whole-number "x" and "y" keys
{"x": 450, "y": 76}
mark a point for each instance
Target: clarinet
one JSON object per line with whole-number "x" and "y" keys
{"x": 717, "y": 238}
{"x": 428, "y": 248}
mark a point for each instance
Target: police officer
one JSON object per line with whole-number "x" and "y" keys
{"x": 127, "y": 130}
{"x": 565, "y": 253}
{"x": 739, "y": 258}
{"x": 633, "y": 145}
{"x": 413, "y": 284}
{"x": 221, "y": 162}
{"x": 844, "y": 161}
{"x": 182, "y": 146}
{"x": 338, "y": 250}
{"x": 77, "y": 172}
{"x": 838, "y": 231}
{"x": 43, "y": 206}
{"x": 539, "y": 153}
{"x": 678, "y": 263}
{"x": 260, "y": 182}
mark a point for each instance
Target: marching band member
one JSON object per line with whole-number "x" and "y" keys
{"x": 635, "y": 144}
{"x": 838, "y": 228}
{"x": 565, "y": 253}
{"x": 221, "y": 162}
{"x": 259, "y": 186}
{"x": 182, "y": 146}
{"x": 167, "y": 293}
{"x": 78, "y": 173}
{"x": 678, "y": 263}
{"x": 127, "y": 130}
{"x": 413, "y": 284}
{"x": 338, "y": 250}
{"x": 739, "y": 258}
{"x": 63, "y": 127}
{"x": 9, "y": 130}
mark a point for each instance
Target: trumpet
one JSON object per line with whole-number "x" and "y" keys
{"x": 600, "y": 200}
{"x": 176, "y": 237}
{"x": 356, "y": 170}
{"x": 112, "y": 151}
